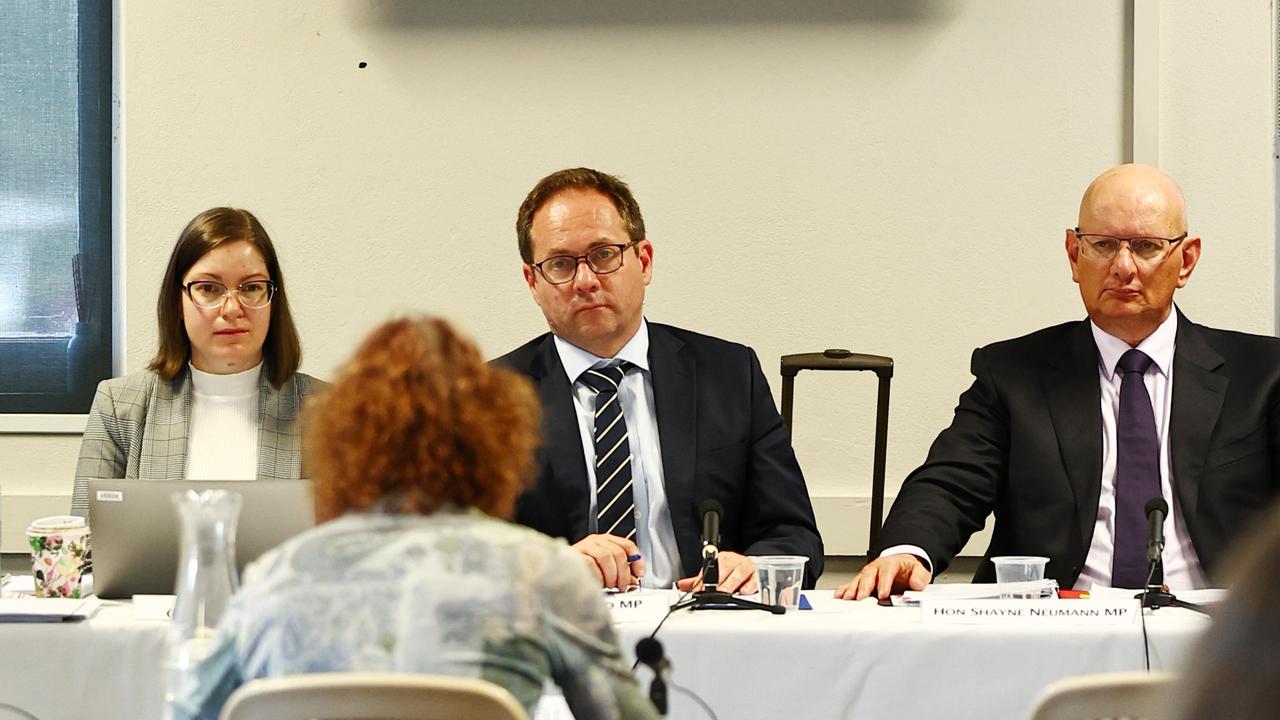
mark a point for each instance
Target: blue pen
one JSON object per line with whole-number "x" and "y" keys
{"x": 633, "y": 558}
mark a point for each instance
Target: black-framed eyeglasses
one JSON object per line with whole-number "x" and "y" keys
{"x": 602, "y": 259}
{"x": 253, "y": 294}
{"x": 1105, "y": 247}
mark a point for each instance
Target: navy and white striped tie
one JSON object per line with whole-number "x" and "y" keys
{"x": 615, "y": 506}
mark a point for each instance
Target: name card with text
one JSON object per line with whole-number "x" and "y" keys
{"x": 639, "y": 605}
{"x": 1030, "y": 612}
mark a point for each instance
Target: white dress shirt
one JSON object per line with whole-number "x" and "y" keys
{"x": 1182, "y": 569}
{"x": 654, "y": 532}
{"x": 222, "y": 443}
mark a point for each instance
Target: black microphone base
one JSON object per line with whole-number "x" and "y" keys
{"x": 1156, "y": 597}
{"x": 716, "y": 600}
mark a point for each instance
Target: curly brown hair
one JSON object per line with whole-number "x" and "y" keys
{"x": 416, "y": 421}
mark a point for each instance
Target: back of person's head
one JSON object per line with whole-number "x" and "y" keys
{"x": 417, "y": 421}
{"x": 612, "y": 187}
{"x": 1236, "y": 671}
{"x": 215, "y": 227}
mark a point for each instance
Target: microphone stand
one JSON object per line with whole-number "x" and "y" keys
{"x": 1158, "y": 596}
{"x": 709, "y": 598}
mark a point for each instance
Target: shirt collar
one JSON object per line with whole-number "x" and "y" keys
{"x": 577, "y": 361}
{"x": 1158, "y": 346}
{"x": 238, "y": 384}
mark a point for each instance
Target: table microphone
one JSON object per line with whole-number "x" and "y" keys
{"x": 649, "y": 652}
{"x": 711, "y": 512}
{"x": 710, "y": 596}
{"x": 1155, "y": 595}
{"x": 1157, "y": 509}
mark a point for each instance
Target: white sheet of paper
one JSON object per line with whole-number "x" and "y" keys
{"x": 970, "y": 591}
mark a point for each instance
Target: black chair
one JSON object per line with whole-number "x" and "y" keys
{"x": 846, "y": 360}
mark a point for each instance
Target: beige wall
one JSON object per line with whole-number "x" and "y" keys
{"x": 891, "y": 177}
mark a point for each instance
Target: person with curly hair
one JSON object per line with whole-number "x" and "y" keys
{"x": 420, "y": 450}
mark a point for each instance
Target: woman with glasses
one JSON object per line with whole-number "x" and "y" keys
{"x": 221, "y": 398}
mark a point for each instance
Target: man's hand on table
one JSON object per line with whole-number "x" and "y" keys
{"x": 886, "y": 575}
{"x": 737, "y": 575}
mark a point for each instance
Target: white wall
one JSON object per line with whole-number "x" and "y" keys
{"x": 893, "y": 177}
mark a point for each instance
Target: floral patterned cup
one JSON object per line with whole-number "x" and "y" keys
{"x": 59, "y": 554}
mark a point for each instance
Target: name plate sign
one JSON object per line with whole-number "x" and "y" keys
{"x": 638, "y": 605}
{"x": 1030, "y": 612}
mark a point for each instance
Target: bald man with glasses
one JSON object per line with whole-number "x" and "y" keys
{"x": 644, "y": 422}
{"x": 1068, "y": 433}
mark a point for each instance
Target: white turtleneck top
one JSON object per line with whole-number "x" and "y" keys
{"x": 223, "y": 440}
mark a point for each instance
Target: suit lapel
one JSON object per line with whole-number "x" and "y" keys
{"x": 674, "y": 396}
{"x": 168, "y": 422}
{"x": 279, "y": 445}
{"x": 1074, "y": 398}
{"x": 562, "y": 439}
{"x": 1198, "y": 391}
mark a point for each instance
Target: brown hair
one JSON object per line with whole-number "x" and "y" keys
{"x": 416, "y": 421}
{"x": 1234, "y": 669}
{"x": 577, "y": 179}
{"x": 282, "y": 350}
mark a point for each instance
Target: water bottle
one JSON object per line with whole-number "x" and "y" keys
{"x": 206, "y": 581}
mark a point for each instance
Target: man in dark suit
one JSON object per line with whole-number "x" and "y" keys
{"x": 644, "y": 422}
{"x": 1066, "y": 434}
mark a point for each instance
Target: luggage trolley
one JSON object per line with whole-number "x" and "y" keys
{"x": 839, "y": 359}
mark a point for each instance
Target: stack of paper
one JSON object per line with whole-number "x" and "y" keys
{"x": 1047, "y": 589}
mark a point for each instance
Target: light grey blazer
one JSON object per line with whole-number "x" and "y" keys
{"x": 138, "y": 428}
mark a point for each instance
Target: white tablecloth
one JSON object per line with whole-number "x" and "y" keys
{"x": 105, "y": 667}
{"x": 839, "y": 660}
{"x": 858, "y": 660}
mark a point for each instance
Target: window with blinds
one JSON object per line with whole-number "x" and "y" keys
{"x": 55, "y": 204}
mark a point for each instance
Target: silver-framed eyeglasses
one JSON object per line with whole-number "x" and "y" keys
{"x": 1105, "y": 247}
{"x": 252, "y": 294}
{"x": 602, "y": 259}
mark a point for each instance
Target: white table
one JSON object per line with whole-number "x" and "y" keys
{"x": 106, "y": 667}
{"x": 839, "y": 660}
{"x": 858, "y": 660}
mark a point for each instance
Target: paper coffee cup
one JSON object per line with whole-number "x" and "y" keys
{"x": 59, "y": 554}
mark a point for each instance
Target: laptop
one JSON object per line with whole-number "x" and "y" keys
{"x": 134, "y": 528}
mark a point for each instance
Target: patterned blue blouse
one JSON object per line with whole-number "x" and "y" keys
{"x": 454, "y": 593}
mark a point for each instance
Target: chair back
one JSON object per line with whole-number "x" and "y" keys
{"x": 1144, "y": 695}
{"x": 372, "y": 696}
{"x": 838, "y": 359}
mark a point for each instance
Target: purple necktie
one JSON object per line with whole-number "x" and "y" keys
{"x": 1137, "y": 473}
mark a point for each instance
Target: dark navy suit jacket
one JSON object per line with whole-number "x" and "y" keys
{"x": 721, "y": 436}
